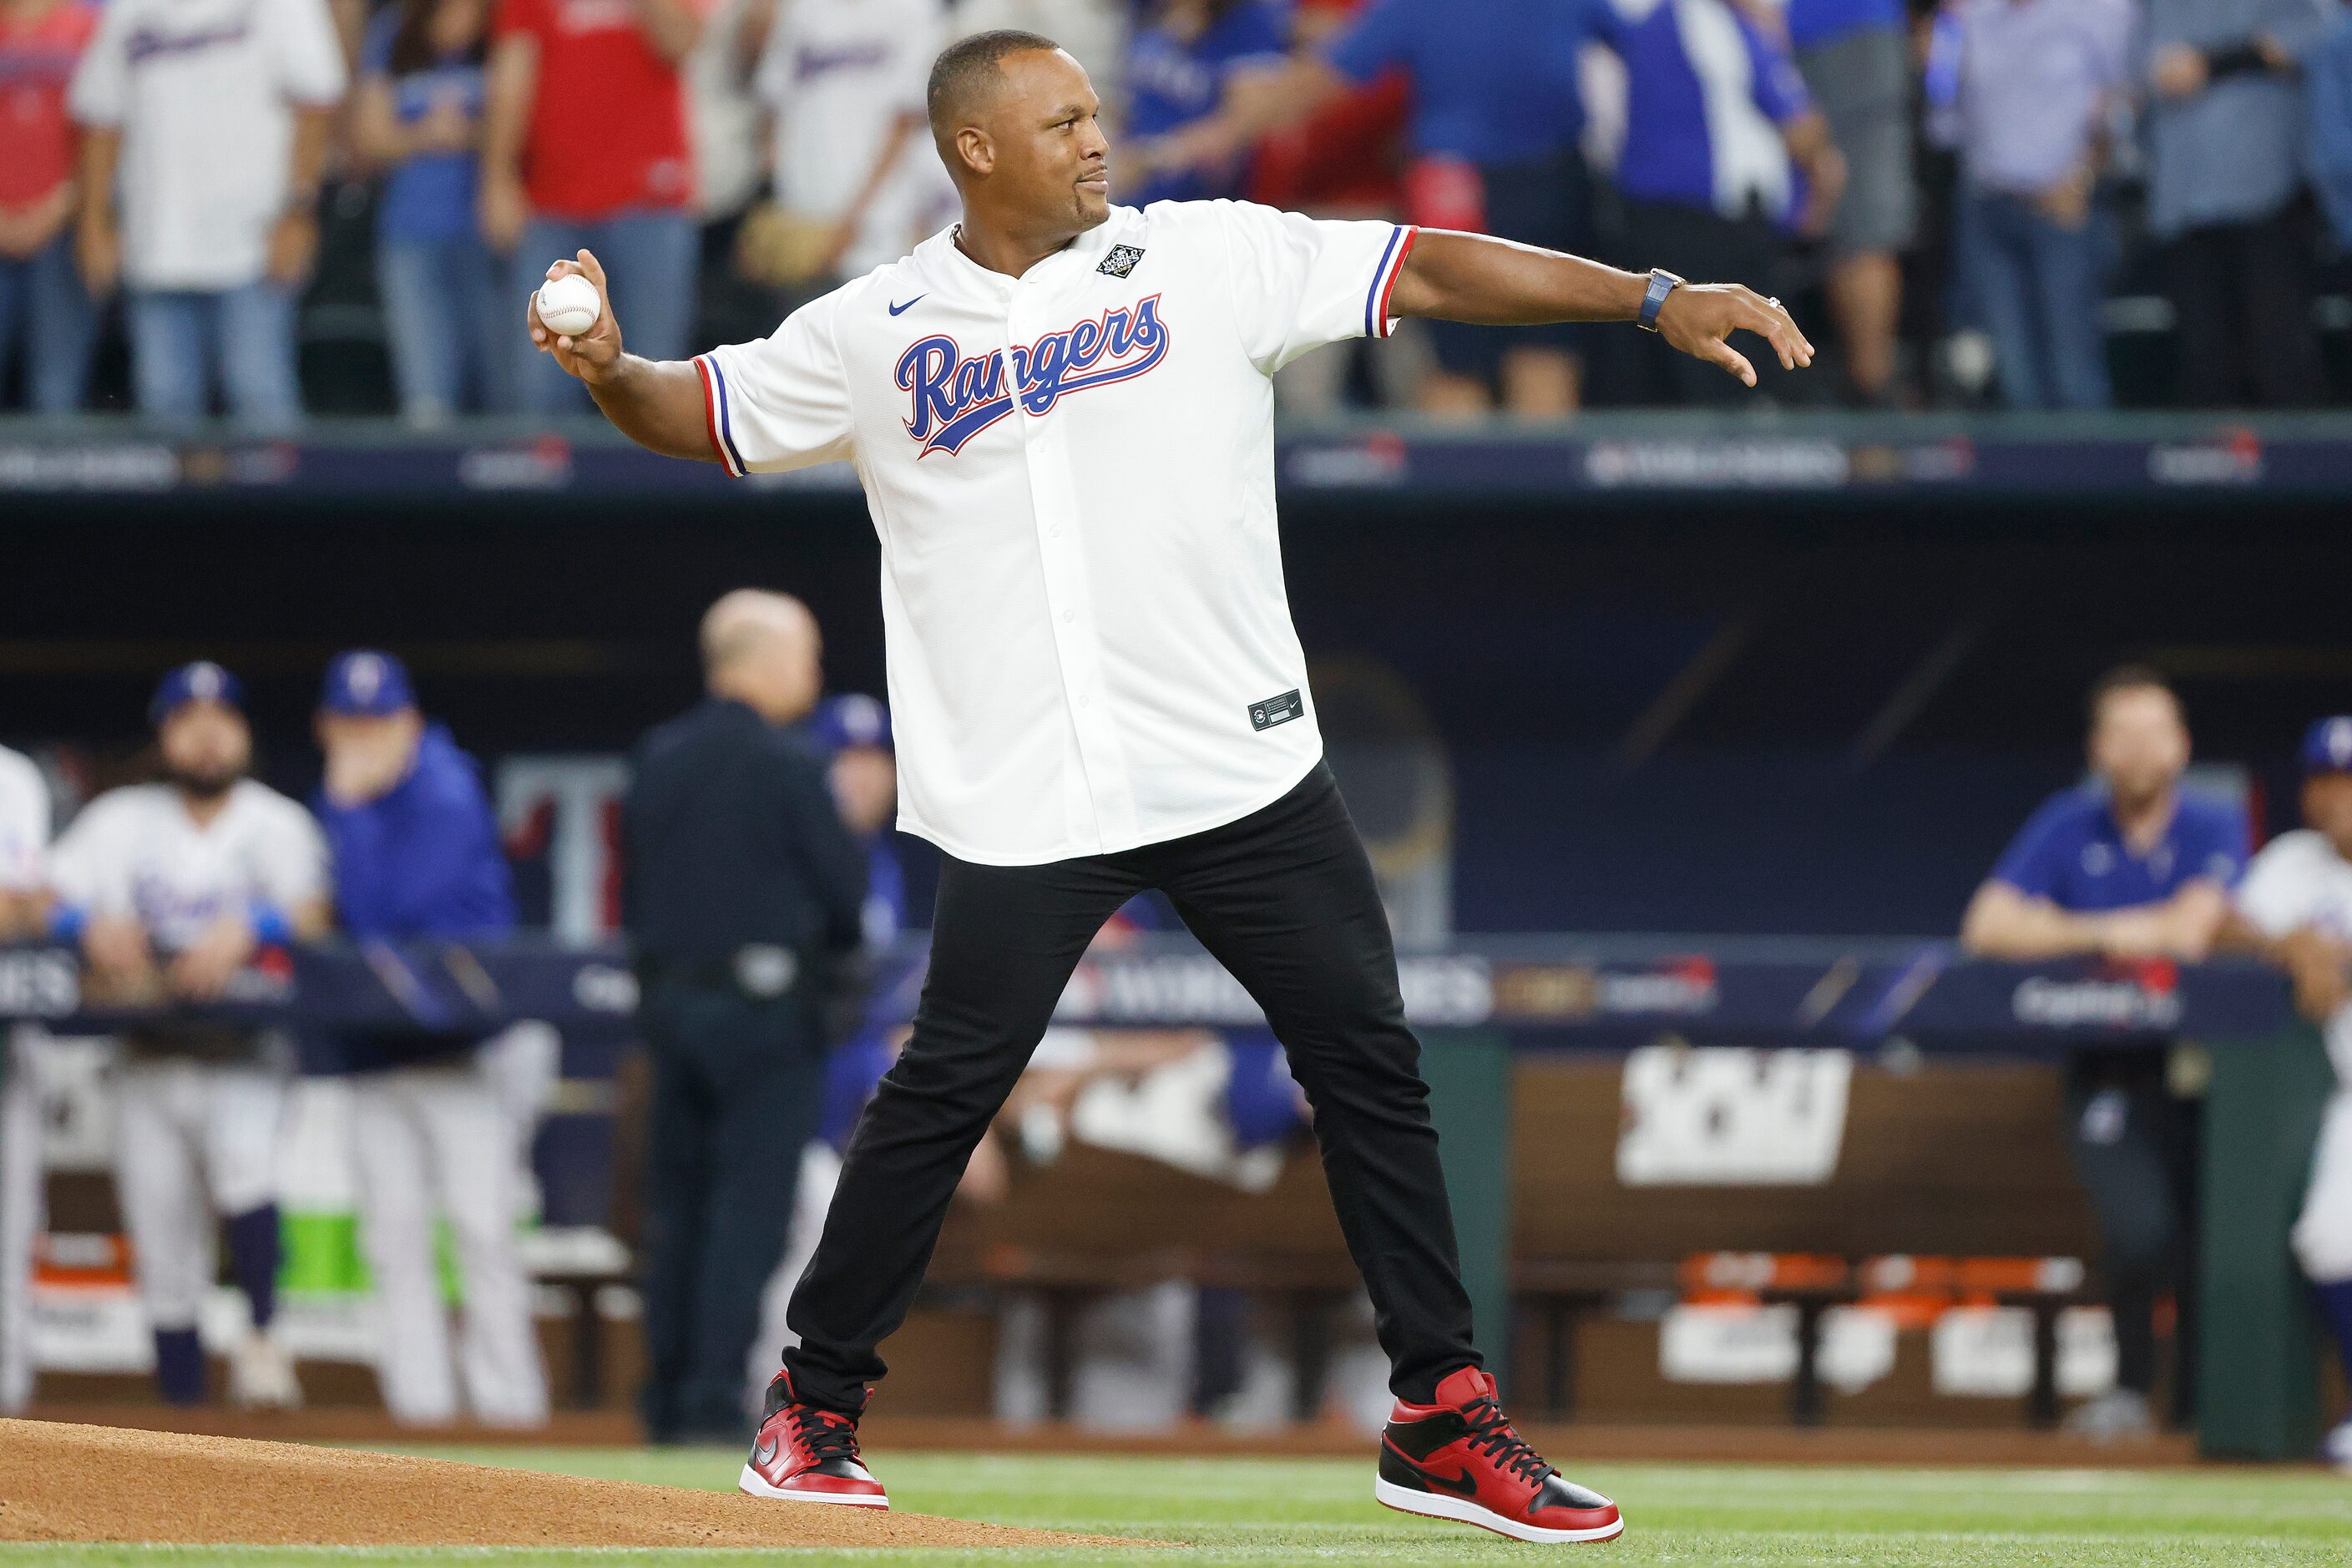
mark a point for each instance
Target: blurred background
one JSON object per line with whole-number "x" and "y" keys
{"x": 1684, "y": 723}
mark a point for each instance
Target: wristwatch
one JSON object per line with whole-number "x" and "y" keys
{"x": 1661, "y": 283}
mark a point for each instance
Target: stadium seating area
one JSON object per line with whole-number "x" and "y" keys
{"x": 741, "y": 157}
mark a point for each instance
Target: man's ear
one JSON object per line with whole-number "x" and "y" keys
{"x": 976, "y": 149}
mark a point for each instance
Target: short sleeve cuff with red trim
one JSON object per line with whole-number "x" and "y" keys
{"x": 1378, "y": 324}
{"x": 716, "y": 415}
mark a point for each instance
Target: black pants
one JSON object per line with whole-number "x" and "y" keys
{"x": 2241, "y": 297}
{"x": 1284, "y": 900}
{"x": 2136, "y": 1150}
{"x": 737, "y": 1090}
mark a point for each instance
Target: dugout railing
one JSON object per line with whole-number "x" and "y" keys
{"x": 1486, "y": 1005}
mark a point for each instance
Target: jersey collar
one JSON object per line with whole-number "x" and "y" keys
{"x": 941, "y": 258}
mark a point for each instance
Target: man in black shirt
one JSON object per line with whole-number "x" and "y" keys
{"x": 741, "y": 891}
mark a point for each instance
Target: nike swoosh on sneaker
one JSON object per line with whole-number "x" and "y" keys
{"x": 898, "y": 310}
{"x": 1461, "y": 1485}
{"x": 765, "y": 1452}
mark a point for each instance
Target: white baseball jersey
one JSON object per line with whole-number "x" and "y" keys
{"x": 24, "y": 839}
{"x": 1071, "y": 474}
{"x": 838, "y": 74}
{"x": 2300, "y": 880}
{"x": 202, "y": 92}
{"x": 24, "y": 823}
{"x": 136, "y": 851}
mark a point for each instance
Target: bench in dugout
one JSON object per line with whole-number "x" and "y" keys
{"x": 1950, "y": 1180}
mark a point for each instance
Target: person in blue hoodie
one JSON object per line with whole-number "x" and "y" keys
{"x": 416, "y": 855}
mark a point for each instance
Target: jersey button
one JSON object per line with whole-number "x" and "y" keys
{"x": 1084, "y": 699}
{"x": 1069, "y": 616}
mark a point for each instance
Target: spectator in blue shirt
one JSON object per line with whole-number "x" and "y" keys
{"x": 1855, "y": 56}
{"x": 2226, "y": 139}
{"x": 2028, "y": 108}
{"x": 1497, "y": 114}
{"x": 417, "y": 854}
{"x": 2131, "y": 867}
{"x": 1724, "y": 154}
{"x": 418, "y": 117}
{"x": 2328, "y": 73}
{"x": 1185, "y": 58}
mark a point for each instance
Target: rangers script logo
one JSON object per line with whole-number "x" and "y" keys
{"x": 956, "y": 398}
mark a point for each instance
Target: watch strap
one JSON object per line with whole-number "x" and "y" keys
{"x": 1653, "y": 298}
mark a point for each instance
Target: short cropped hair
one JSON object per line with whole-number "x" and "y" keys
{"x": 2126, "y": 678}
{"x": 964, "y": 68}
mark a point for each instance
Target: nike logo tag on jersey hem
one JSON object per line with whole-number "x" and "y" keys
{"x": 898, "y": 310}
{"x": 1275, "y": 710}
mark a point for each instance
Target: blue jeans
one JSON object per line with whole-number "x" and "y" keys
{"x": 649, "y": 268}
{"x": 43, "y": 306}
{"x": 450, "y": 328}
{"x": 182, "y": 342}
{"x": 2038, "y": 286}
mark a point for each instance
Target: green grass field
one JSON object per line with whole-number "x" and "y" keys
{"x": 1241, "y": 1512}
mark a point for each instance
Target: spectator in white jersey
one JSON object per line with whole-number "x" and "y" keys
{"x": 24, "y": 843}
{"x": 172, "y": 890}
{"x": 2294, "y": 907}
{"x": 204, "y": 129}
{"x": 842, "y": 81}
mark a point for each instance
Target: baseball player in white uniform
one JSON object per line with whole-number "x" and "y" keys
{"x": 1062, "y": 414}
{"x": 2294, "y": 905}
{"x": 24, "y": 846}
{"x": 170, "y": 888}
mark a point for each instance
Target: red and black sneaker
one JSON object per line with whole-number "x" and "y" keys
{"x": 805, "y": 1454}
{"x": 1459, "y": 1459}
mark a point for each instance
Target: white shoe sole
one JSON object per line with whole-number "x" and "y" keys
{"x": 752, "y": 1482}
{"x": 1461, "y": 1510}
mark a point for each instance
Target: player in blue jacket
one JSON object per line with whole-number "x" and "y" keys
{"x": 417, "y": 854}
{"x": 2131, "y": 867}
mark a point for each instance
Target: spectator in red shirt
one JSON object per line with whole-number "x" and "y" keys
{"x": 585, "y": 147}
{"x": 42, "y": 303}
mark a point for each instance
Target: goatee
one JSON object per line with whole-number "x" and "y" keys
{"x": 206, "y": 785}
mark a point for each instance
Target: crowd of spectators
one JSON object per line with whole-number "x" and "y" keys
{"x": 1929, "y": 179}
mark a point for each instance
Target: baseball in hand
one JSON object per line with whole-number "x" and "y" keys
{"x": 568, "y": 305}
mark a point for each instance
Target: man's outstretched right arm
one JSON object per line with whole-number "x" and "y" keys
{"x": 657, "y": 403}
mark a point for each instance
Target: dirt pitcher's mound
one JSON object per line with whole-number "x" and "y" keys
{"x": 102, "y": 1483}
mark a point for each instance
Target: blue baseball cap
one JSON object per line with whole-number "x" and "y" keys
{"x": 853, "y": 720}
{"x": 365, "y": 684}
{"x": 203, "y": 681}
{"x": 2327, "y": 746}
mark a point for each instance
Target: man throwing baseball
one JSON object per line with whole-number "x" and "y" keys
{"x": 1062, "y": 415}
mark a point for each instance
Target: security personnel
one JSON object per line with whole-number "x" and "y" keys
{"x": 742, "y": 892}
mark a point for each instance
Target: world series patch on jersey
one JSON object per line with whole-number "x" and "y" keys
{"x": 1072, "y": 475}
